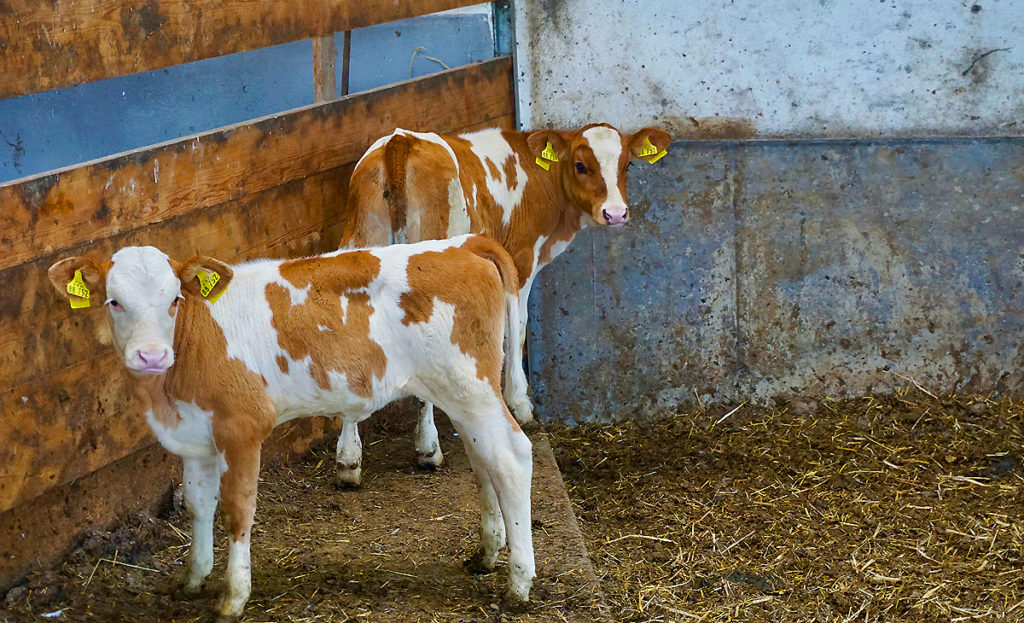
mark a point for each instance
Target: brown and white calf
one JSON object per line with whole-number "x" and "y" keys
{"x": 221, "y": 354}
{"x": 532, "y": 191}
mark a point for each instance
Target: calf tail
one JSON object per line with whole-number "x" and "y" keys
{"x": 516, "y": 393}
{"x": 489, "y": 249}
{"x": 396, "y": 156}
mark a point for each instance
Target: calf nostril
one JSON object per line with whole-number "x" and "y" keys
{"x": 152, "y": 357}
{"x": 607, "y": 218}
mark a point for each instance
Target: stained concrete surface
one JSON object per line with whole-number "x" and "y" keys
{"x": 760, "y": 270}
{"x": 784, "y": 69}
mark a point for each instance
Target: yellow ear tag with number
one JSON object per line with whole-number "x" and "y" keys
{"x": 207, "y": 280}
{"x": 660, "y": 155}
{"x": 546, "y": 157}
{"x": 79, "y": 292}
{"x": 549, "y": 153}
{"x": 647, "y": 149}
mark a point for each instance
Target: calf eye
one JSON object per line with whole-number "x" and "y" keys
{"x": 582, "y": 170}
{"x": 114, "y": 305}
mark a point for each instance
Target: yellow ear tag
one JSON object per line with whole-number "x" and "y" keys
{"x": 658, "y": 157}
{"x": 549, "y": 153}
{"x": 207, "y": 280}
{"x": 647, "y": 149}
{"x": 79, "y": 292}
{"x": 544, "y": 164}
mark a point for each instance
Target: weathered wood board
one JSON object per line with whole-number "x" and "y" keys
{"x": 49, "y": 45}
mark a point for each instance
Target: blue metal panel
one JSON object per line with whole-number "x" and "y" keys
{"x": 54, "y": 129}
{"x": 59, "y": 128}
{"x": 759, "y": 270}
{"x": 385, "y": 54}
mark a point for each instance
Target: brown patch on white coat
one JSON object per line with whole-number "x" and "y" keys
{"x": 303, "y": 337}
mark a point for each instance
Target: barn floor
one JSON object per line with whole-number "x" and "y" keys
{"x": 901, "y": 508}
{"x": 391, "y": 551}
{"x": 904, "y": 508}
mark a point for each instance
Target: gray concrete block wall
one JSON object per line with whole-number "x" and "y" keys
{"x": 759, "y": 270}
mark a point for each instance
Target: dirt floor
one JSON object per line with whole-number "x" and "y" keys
{"x": 907, "y": 508}
{"x": 391, "y": 551}
{"x": 904, "y": 508}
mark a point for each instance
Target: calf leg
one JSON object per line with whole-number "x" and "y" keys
{"x": 349, "y": 455}
{"x": 427, "y": 445}
{"x": 202, "y": 488}
{"x": 238, "y": 504}
{"x": 516, "y": 387}
{"x": 506, "y": 457}
{"x": 492, "y": 524}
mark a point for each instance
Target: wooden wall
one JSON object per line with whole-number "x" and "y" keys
{"x": 74, "y": 449}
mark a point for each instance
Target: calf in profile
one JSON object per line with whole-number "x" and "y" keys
{"x": 532, "y": 191}
{"x": 221, "y": 354}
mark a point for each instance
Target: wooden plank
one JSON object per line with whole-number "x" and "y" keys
{"x": 324, "y": 81}
{"x": 46, "y": 527}
{"x": 63, "y": 209}
{"x": 79, "y": 413}
{"x": 48, "y": 45}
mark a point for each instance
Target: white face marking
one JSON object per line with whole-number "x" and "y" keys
{"x": 491, "y": 145}
{"x": 141, "y": 288}
{"x": 606, "y": 144}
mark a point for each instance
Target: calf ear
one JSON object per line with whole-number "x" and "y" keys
{"x": 538, "y": 142}
{"x": 204, "y": 276}
{"x": 640, "y": 144}
{"x": 79, "y": 280}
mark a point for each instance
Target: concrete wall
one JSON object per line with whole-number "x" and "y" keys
{"x": 786, "y": 68}
{"x": 843, "y": 214}
{"x": 759, "y": 270}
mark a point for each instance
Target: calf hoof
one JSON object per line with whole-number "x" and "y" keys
{"x": 191, "y": 590}
{"x": 479, "y": 563}
{"x": 348, "y": 476}
{"x": 514, "y": 604}
{"x": 524, "y": 415}
{"x": 432, "y": 461}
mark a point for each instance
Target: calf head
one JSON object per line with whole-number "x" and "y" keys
{"x": 141, "y": 288}
{"x": 594, "y": 164}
